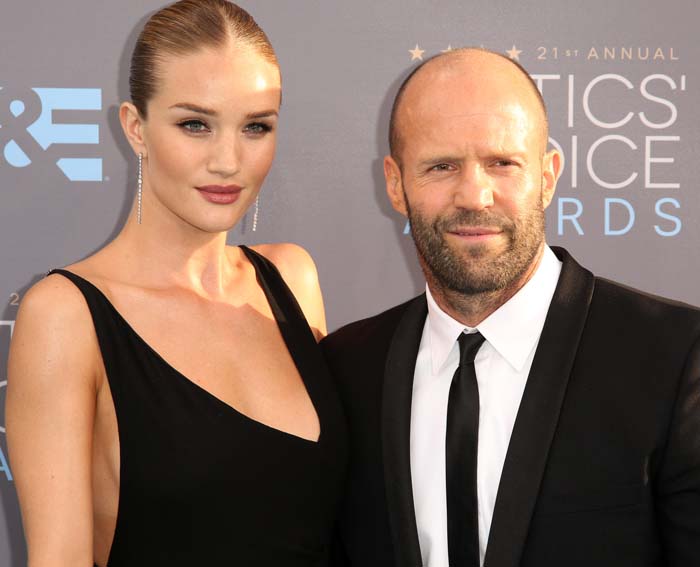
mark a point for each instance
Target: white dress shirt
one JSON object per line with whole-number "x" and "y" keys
{"x": 502, "y": 366}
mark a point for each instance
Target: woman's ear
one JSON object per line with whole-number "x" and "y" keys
{"x": 132, "y": 123}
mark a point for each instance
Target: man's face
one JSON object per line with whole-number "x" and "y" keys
{"x": 473, "y": 181}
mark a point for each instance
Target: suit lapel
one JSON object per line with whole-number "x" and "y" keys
{"x": 538, "y": 414}
{"x": 396, "y": 424}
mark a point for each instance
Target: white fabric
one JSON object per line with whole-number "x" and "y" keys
{"x": 502, "y": 366}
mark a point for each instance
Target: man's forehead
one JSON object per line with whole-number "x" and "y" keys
{"x": 508, "y": 117}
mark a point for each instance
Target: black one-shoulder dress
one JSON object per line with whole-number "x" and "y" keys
{"x": 202, "y": 484}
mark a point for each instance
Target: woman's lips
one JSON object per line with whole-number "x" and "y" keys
{"x": 220, "y": 194}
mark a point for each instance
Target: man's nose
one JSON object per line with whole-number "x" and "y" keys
{"x": 475, "y": 189}
{"x": 225, "y": 155}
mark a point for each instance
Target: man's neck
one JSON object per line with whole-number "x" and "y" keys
{"x": 472, "y": 309}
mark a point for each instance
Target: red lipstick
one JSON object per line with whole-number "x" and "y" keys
{"x": 220, "y": 194}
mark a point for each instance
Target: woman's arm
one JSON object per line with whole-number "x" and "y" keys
{"x": 50, "y": 409}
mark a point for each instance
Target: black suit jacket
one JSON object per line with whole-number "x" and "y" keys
{"x": 603, "y": 466}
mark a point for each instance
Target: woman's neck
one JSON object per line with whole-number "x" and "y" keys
{"x": 165, "y": 252}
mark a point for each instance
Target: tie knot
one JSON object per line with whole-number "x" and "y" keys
{"x": 469, "y": 345}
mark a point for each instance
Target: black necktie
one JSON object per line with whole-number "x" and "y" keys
{"x": 461, "y": 443}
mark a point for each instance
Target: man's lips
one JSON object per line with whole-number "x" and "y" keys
{"x": 475, "y": 231}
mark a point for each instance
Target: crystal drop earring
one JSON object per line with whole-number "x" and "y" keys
{"x": 256, "y": 211}
{"x": 139, "y": 192}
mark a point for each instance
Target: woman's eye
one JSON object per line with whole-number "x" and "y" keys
{"x": 194, "y": 126}
{"x": 257, "y": 128}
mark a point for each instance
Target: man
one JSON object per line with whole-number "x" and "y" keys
{"x": 572, "y": 436}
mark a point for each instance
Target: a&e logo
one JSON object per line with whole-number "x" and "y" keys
{"x": 39, "y": 126}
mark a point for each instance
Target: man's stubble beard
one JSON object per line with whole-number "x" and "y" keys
{"x": 471, "y": 271}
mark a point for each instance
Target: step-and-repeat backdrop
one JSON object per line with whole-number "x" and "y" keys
{"x": 621, "y": 80}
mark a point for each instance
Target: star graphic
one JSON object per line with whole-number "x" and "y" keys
{"x": 449, "y": 48}
{"x": 514, "y": 53}
{"x": 416, "y": 53}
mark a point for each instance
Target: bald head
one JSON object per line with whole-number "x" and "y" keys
{"x": 480, "y": 74}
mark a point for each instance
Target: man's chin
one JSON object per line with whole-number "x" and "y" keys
{"x": 483, "y": 253}
{"x": 473, "y": 284}
{"x": 470, "y": 275}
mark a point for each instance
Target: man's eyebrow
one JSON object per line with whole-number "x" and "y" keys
{"x": 194, "y": 108}
{"x": 439, "y": 159}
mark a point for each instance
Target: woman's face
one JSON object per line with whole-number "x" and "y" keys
{"x": 210, "y": 135}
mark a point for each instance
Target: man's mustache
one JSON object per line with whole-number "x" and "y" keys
{"x": 471, "y": 219}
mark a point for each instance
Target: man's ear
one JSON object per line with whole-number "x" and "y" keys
{"x": 394, "y": 185}
{"x": 551, "y": 168}
{"x": 132, "y": 124}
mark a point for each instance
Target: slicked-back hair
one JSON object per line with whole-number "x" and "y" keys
{"x": 185, "y": 27}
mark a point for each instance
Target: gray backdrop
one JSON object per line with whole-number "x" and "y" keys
{"x": 620, "y": 79}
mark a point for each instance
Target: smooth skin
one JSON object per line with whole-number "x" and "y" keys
{"x": 192, "y": 298}
{"x": 474, "y": 145}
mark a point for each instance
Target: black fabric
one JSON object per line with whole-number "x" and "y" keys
{"x": 603, "y": 466}
{"x": 203, "y": 484}
{"x": 461, "y": 444}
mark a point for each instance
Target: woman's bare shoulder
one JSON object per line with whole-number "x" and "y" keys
{"x": 294, "y": 263}
{"x": 54, "y": 316}
{"x": 54, "y": 296}
{"x": 299, "y": 272}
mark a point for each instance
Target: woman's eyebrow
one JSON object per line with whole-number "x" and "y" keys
{"x": 194, "y": 108}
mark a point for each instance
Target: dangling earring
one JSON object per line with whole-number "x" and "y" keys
{"x": 255, "y": 213}
{"x": 139, "y": 193}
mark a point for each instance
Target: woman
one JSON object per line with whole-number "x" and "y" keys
{"x": 167, "y": 404}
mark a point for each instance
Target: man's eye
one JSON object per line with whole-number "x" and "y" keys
{"x": 441, "y": 167}
{"x": 505, "y": 162}
{"x": 257, "y": 128}
{"x": 194, "y": 126}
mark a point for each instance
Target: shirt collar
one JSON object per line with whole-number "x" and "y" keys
{"x": 513, "y": 330}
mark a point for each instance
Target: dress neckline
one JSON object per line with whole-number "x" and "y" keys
{"x": 191, "y": 383}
